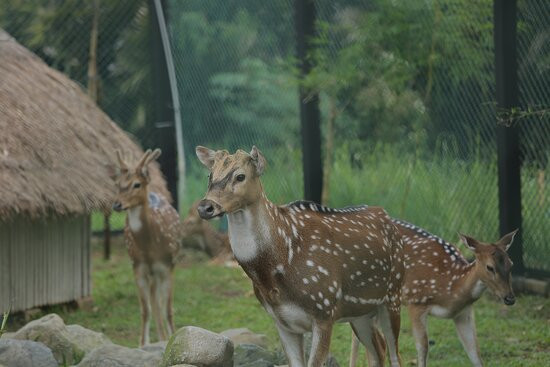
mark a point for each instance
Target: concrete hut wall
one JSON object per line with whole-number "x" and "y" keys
{"x": 43, "y": 261}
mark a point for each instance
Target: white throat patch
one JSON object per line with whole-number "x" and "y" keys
{"x": 479, "y": 287}
{"x": 134, "y": 218}
{"x": 245, "y": 236}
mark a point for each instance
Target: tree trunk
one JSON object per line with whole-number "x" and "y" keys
{"x": 93, "y": 92}
{"x": 329, "y": 151}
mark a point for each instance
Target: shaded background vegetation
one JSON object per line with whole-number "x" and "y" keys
{"x": 406, "y": 87}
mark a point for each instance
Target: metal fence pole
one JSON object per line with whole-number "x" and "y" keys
{"x": 507, "y": 95}
{"x": 309, "y": 102}
{"x": 167, "y": 103}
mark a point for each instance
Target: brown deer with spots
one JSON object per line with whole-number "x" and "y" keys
{"x": 310, "y": 266}
{"x": 441, "y": 283}
{"x": 152, "y": 234}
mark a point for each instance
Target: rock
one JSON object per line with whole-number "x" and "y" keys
{"x": 87, "y": 339}
{"x": 25, "y": 353}
{"x": 250, "y": 355}
{"x": 156, "y": 348}
{"x": 7, "y": 335}
{"x": 51, "y": 331}
{"x": 112, "y": 355}
{"x": 245, "y": 336}
{"x": 199, "y": 347}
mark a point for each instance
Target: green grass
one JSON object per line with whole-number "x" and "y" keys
{"x": 219, "y": 298}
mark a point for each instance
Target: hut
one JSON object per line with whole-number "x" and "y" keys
{"x": 55, "y": 149}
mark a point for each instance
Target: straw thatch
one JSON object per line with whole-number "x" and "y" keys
{"x": 55, "y": 143}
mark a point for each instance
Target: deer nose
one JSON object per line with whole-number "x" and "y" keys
{"x": 117, "y": 206}
{"x": 509, "y": 299}
{"x": 206, "y": 209}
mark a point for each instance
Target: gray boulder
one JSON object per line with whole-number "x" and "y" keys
{"x": 156, "y": 348}
{"x": 112, "y": 355}
{"x": 199, "y": 347}
{"x": 25, "y": 353}
{"x": 87, "y": 339}
{"x": 250, "y": 355}
{"x": 245, "y": 336}
{"x": 52, "y": 332}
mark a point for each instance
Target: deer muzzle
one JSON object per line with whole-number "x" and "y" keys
{"x": 117, "y": 206}
{"x": 208, "y": 209}
{"x": 509, "y": 299}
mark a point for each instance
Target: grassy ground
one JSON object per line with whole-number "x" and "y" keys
{"x": 219, "y": 298}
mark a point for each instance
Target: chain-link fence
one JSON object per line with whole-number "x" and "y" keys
{"x": 407, "y": 91}
{"x": 106, "y": 47}
{"x": 407, "y": 98}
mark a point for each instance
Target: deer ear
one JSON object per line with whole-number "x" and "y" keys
{"x": 113, "y": 171}
{"x": 121, "y": 161}
{"x": 470, "y": 242}
{"x": 156, "y": 153}
{"x": 258, "y": 160}
{"x": 506, "y": 241}
{"x": 206, "y": 156}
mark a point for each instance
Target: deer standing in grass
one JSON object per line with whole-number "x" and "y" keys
{"x": 441, "y": 283}
{"x": 310, "y": 265}
{"x": 152, "y": 234}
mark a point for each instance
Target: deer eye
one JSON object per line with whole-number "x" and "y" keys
{"x": 136, "y": 185}
{"x": 490, "y": 268}
{"x": 240, "y": 177}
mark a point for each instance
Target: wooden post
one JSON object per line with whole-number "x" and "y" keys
{"x": 93, "y": 92}
{"x": 309, "y": 102}
{"x": 507, "y": 95}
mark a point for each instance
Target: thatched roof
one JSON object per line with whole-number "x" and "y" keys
{"x": 55, "y": 143}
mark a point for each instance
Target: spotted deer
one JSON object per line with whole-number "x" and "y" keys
{"x": 310, "y": 265}
{"x": 152, "y": 234}
{"x": 441, "y": 283}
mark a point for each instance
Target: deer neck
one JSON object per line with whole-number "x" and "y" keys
{"x": 137, "y": 217}
{"x": 250, "y": 231}
{"x": 470, "y": 286}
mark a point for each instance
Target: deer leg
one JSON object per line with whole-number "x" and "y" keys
{"x": 466, "y": 328}
{"x": 142, "y": 281}
{"x": 320, "y": 343}
{"x": 354, "y": 350}
{"x": 418, "y": 315}
{"x": 158, "y": 291}
{"x": 390, "y": 323}
{"x": 169, "y": 310}
{"x": 364, "y": 329}
{"x": 293, "y": 345}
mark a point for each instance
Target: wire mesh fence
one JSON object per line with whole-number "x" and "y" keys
{"x": 407, "y": 97}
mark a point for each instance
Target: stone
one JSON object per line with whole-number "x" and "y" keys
{"x": 245, "y": 336}
{"x": 199, "y": 347}
{"x": 112, "y": 355}
{"x": 251, "y": 355}
{"x": 25, "y": 353}
{"x": 158, "y": 347}
{"x": 52, "y": 332}
{"x": 87, "y": 339}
